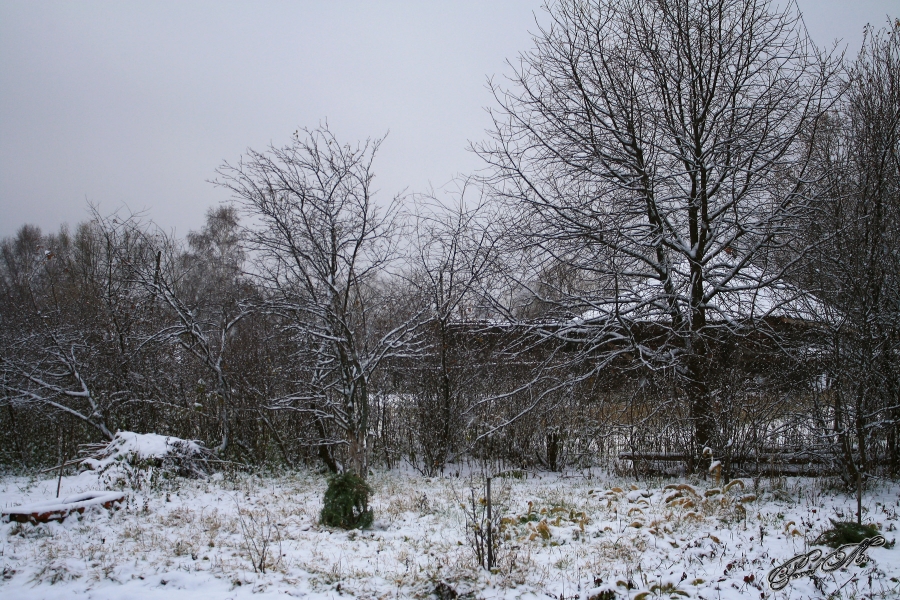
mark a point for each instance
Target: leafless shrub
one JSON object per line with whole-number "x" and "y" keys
{"x": 261, "y": 538}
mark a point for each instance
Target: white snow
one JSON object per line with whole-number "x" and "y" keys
{"x": 128, "y": 445}
{"x": 130, "y": 458}
{"x": 748, "y": 294}
{"x": 567, "y": 535}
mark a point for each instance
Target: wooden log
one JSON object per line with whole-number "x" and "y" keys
{"x": 60, "y": 509}
{"x": 798, "y": 458}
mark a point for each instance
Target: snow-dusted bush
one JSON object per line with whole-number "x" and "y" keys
{"x": 347, "y": 502}
{"x": 137, "y": 459}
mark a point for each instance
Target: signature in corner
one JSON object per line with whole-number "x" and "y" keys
{"x": 804, "y": 565}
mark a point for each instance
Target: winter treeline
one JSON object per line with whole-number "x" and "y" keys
{"x": 686, "y": 240}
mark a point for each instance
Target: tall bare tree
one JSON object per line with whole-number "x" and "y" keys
{"x": 324, "y": 248}
{"x": 856, "y": 269}
{"x": 453, "y": 252}
{"x": 203, "y": 297}
{"x": 658, "y": 151}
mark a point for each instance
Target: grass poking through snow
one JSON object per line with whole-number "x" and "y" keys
{"x": 245, "y": 535}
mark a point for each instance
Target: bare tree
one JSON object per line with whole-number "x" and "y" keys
{"x": 856, "y": 269}
{"x": 658, "y": 151}
{"x": 453, "y": 252}
{"x": 323, "y": 248}
{"x": 203, "y": 297}
{"x": 71, "y": 339}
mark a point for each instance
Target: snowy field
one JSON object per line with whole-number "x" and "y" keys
{"x": 573, "y": 536}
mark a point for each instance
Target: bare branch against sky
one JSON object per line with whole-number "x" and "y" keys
{"x": 138, "y": 103}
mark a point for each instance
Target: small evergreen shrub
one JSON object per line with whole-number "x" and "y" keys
{"x": 846, "y": 532}
{"x": 347, "y": 502}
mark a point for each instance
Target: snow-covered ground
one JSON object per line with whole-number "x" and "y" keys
{"x": 569, "y": 536}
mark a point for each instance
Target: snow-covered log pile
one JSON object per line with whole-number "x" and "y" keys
{"x": 60, "y": 509}
{"x": 131, "y": 459}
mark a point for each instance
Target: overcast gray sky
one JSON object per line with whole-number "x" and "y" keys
{"x": 139, "y": 102}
